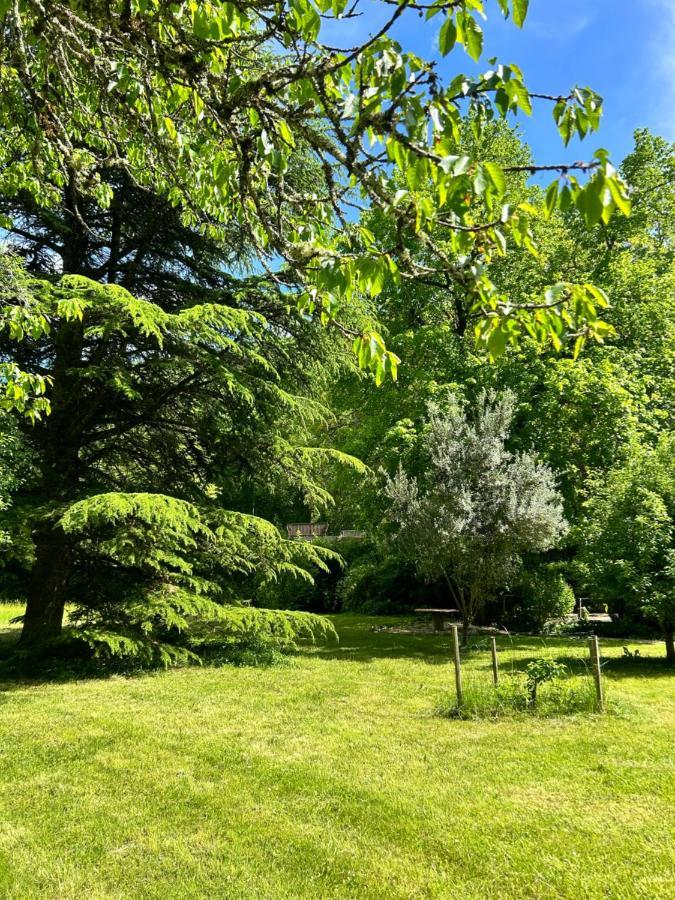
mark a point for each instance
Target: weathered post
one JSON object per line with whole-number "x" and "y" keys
{"x": 495, "y": 663}
{"x": 597, "y": 671}
{"x": 458, "y": 666}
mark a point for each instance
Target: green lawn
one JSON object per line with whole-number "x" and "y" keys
{"x": 333, "y": 777}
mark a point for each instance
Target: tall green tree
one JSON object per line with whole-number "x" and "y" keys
{"x": 174, "y": 387}
{"x": 581, "y": 414}
{"x": 262, "y": 138}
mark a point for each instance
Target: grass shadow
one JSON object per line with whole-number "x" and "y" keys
{"x": 361, "y": 640}
{"x": 365, "y": 640}
{"x": 642, "y": 666}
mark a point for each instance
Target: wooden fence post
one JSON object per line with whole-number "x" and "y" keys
{"x": 458, "y": 667}
{"x": 597, "y": 671}
{"x": 495, "y": 663}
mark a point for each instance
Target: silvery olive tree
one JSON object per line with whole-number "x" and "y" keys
{"x": 477, "y": 506}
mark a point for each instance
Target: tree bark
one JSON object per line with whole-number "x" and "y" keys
{"x": 670, "y": 645}
{"x": 58, "y": 439}
{"x": 47, "y": 591}
{"x": 459, "y": 599}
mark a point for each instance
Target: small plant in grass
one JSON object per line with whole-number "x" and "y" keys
{"x": 546, "y": 689}
{"x": 481, "y": 644}
{"x": 539, "y": 671}
{"x": 511, "y": 698}
{"x": 567, "y": 696}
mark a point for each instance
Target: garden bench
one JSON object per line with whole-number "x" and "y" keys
{"x": 438, "y": 616}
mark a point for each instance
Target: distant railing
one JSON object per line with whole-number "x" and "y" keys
{"x": 306, "y": 529}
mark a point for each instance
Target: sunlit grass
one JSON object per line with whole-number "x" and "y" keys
{"x": 9, "y": 611}
{"x": 334, "y": 777}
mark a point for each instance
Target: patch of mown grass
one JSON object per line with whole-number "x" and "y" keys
{"x": 330, "y": 777}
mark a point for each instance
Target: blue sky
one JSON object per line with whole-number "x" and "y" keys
{"x": 623, "y": 49}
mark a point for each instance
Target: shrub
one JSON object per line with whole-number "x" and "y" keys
{"x": 477, "y": 507}
{"x": 545, "y": 596}
{"x": 384, "y": 584}
{"x": 539, "y": 671}
{"x": 628, "y": 539}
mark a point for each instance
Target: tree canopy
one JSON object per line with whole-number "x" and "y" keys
{"x": 583, "y": 416}
{"x": 168, "y": 406}
{"x": 628, "y": 549}
{"x": 221, "y": 222}
{"x": 209, "y": 104}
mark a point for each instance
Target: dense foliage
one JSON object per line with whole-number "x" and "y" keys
{"x": 171, "y": 385}
{"x": 583, "y": 416}
{"x": 545, "y": 596}
{"x": 628, "y": 557}
{"x": 209, "y": 105}
{"x": 221, "y": 224}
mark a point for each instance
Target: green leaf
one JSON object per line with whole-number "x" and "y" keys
{"x": 497, "y": 177}
{"x": 473, "y": 35}
{"x": 500, "y": 240}
{"x": 372, "y": 274}
{"x": 589, "y": 202}
{"x": 578, "y": 345}
{"x": 286, "y": 133}
{"x": 496, "y": 342}
{"x": 597, "y": 294}
{"x": 551, "y": 198}
{"x": 619, "y": 194}
{"x": 170, "y": 128}
{"x": 454, "y": 165}
{"x": 565, "y": 198}
{"x": 480, "y": 181}
{"x": 520, "y": 11}
{"x": 447, "y": 36}
{"x": 394, "y": 361}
